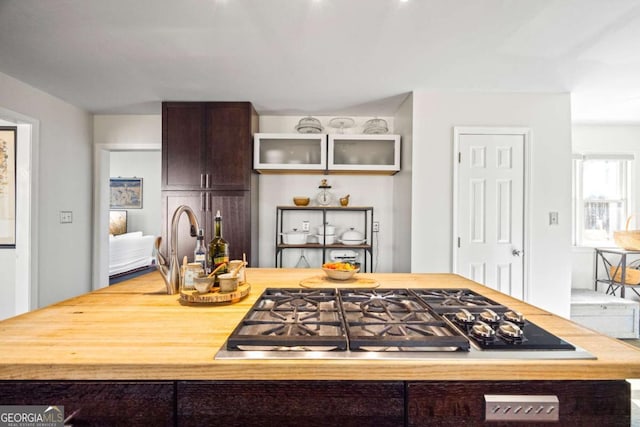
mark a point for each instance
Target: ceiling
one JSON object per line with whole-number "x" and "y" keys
{"x": 323, "y": 57}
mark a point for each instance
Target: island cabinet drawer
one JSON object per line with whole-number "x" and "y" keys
{"x": 290, "y": 403}
{"x": 607, "y": 314}
{"x": 98, "y": 403}
{"x": 465, "y": 403}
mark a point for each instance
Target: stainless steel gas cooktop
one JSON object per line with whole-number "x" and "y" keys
{"x": 389, "y": 324}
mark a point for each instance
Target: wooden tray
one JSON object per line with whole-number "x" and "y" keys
{"x": 215, "y": 297}
{"x": 322, "y": 281}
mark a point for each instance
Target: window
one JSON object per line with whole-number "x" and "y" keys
{"x": 601, "y": 197}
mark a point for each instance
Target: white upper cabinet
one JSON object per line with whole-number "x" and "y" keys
{"x": 364, "y": 153}
{"x": 321, "y": 153}
{"x": 273, "y": 152}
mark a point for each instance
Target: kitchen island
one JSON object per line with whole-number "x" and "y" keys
{"x": 132, "y": 352}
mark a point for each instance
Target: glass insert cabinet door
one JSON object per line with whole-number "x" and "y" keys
{"x": 364, "y": 152}
{"x": 273, "y": 151}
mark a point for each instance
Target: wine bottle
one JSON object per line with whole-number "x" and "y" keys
{"x": 200, "y": 252}
{"x": 218, "y": 247}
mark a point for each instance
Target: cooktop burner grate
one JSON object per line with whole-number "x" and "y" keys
{"x": 292, "y": 319}
{"x": 395, "y": 320}
{"x": 450, "y": 300}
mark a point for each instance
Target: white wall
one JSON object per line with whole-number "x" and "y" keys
{"x": 592, "y": 138}
{"x": 148, "y": 166}
{"x": 128, "y": 130}
{"x": 365, "y": 190}
{"x": 548, "y": 116}
{"x": 402, "y": 188}
{"x": 64, "y": 184}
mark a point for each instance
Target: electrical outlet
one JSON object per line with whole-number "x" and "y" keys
{"x": 376, "y": 226}
{"x": 305, "y": 225}
{"x": 66, "y": 217}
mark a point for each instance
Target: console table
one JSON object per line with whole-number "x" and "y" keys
{"x": 619, "y": 259}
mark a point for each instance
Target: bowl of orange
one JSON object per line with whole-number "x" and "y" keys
{"x": 340, "y": 270}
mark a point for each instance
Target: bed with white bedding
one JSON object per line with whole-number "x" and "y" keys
{"x": 129, "y": 252}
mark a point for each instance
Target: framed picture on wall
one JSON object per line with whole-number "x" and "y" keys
{"x": 117, "y": 222}
{"x": 125, "y": 193}
{"x": 8, "y": 145}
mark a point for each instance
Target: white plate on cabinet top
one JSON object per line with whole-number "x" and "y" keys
{"x": 341, "y": 122}
{"x": 308, "y": 129}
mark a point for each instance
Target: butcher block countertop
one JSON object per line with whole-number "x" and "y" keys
{"x": 135, "y": 331}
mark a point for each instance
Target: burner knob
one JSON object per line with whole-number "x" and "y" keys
{"x": 514, "y": 317}
{"x": 489, "y": 316}
{"x": 510, "y": 330}
{"x": 464, "y": 316}
{"x": 482, "y": 330}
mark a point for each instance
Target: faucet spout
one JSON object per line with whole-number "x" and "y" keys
{"x": 171, "y": 273}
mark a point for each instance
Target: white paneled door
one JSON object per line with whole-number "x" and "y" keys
{"x": 489, "y": 209}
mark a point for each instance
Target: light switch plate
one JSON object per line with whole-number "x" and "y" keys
{"x": 553, "y": 218}
{"x": 66, "y": 217}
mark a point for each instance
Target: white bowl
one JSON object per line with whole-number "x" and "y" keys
{"x": 353, "y": 242}
{"x": 326, "y": 240}
{"x": 340, "y": 274}
{"x": 203, "y": 284}
{"x": 228, "y": 282}
{"x": 327, "y": 229}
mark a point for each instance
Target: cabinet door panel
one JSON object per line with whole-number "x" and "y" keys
{"x": 290, "y": 403}
{"x": 228, "y": 145}
{"x": 457, "y": 403}
{"x": 235, "y": 208}
{"x": 182, "y": 141}
{"x": 98, "y": 403}
{"x": 171, "y": 200}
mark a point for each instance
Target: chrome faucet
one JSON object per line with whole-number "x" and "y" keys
{"x": 171, "y": 273}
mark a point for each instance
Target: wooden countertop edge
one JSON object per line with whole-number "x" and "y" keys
{"x": 439, "y": 370}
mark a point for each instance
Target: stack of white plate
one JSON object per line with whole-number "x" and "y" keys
{"x": 309, "y": 125}
{"x": 375, "y": 126}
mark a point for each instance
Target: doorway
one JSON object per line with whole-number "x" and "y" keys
{"x": 20, "y": 265}
{"x": 490, "y": 191}
{"x": 102, "y": 172}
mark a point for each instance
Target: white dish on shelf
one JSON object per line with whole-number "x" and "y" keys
{"x": 326, "y": 240}
{"x": 341, "y": 122}
{"x": 308, "y": 129}
{"x": 375, "y": 130}
{"x": 353, "y": 242}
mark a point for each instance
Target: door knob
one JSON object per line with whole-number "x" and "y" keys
{"x": 516, "y": 252}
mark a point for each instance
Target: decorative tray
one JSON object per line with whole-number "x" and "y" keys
{"x": 215, "y": 297}
{"x": 317, "y": 282}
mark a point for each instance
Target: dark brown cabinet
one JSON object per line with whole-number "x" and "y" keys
{"x": 207, "y": 165}
{"x": 234, "y": 206}
{"x": 98, "y": 403}
{"x": 290, "y": 403}
{"x": 183, "y": 130}
{"x": 462, "y": 403}
{"x": 315, "y": 403}
{"x": 207, "y": 145}
{"x": 228, "y": 146}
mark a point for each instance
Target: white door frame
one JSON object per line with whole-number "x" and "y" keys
{"x": 26, "y": 277}
{"x": 101, "y": 177}
{"x": 526, "y": 134}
